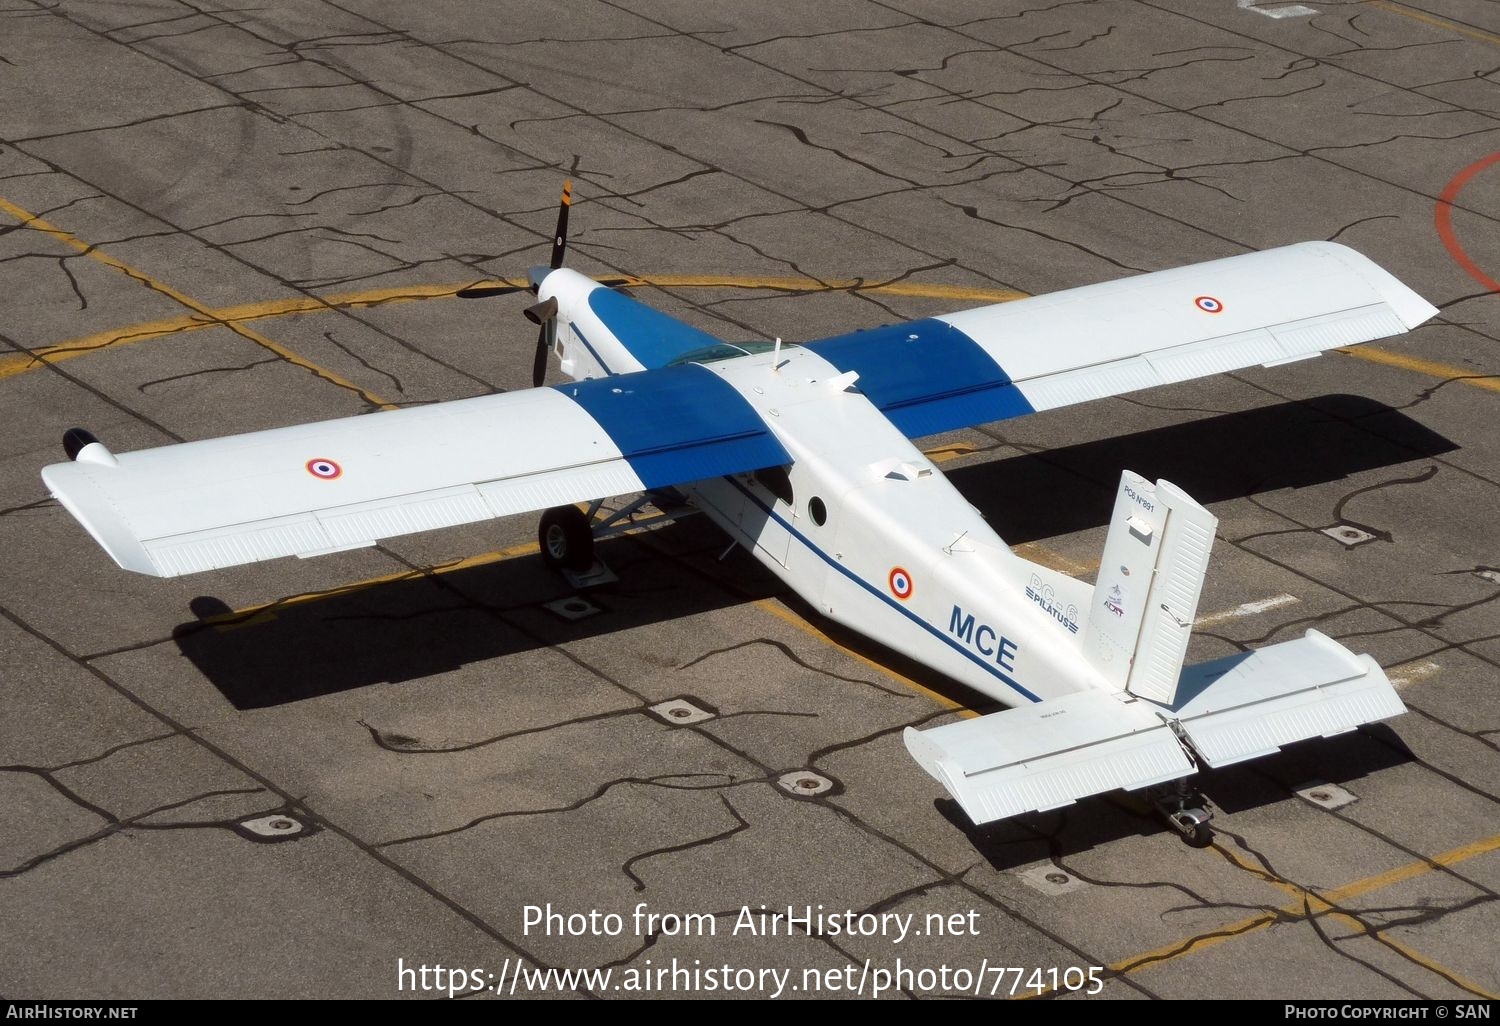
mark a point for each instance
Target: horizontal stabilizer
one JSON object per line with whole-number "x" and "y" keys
{"x": 1038, "y": 757}
{"x": 1043, "y": 756}
{"x": 1249, "y": 705}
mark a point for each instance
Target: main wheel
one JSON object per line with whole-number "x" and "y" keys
{"x": 566, "y": 540}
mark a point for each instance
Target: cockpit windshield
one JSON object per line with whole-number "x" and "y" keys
{"x": 725, "y": 351}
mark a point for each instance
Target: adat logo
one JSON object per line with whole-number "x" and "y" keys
{"x": 1115, "y": 603}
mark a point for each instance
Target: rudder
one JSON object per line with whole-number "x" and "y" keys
{"x": 1150, "y": 578}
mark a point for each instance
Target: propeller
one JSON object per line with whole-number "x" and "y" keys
{"x": 560, "y": 237}
{"x": 543, "y": 314}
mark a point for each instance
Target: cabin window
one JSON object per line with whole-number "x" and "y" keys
{"x": 817, "y": 511}
{"x": 776, "y": 481}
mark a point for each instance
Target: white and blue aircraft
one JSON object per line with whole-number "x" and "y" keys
{"x": 804, "y": 455}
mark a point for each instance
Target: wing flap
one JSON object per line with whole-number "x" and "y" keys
{"x": 387, "y": 518}
{"x": 231, "y": 546}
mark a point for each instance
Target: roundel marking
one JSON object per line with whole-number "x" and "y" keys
{"x": 327, "y": 470}
{"x": 900, "y": 582}
{"x": 1208, "y": 304}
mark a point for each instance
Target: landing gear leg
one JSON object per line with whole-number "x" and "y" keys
{"x": 567, "y": 534}
{"x": 1186, "y": 810}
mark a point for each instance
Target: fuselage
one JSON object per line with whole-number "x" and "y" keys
{"x": 860, "y": 524}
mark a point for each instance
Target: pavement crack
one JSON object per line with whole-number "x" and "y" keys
{"x": 1072, "y": 46}
{"x": 46, "y": 137}
{"x": 662, "y": 781}
{"x": 801, "y": 137}
{"x": 1364, "y": 220}
{"x": 408, "y": 203}
{"x": 403, "y": 745}
{"x": 349, "y": 188}
{"x": 1141, "y": 74}
{"x": 973, "y": 212}
{"x": 1338, "y": 509}
{"x": 111, "y": 751}
{"x": 37, "y": 504}
{"x": 843, "y": 746}
{"x": 114, "y": 825}
{"x": 83, "y": 301}
{"x": 143, "y": 386}
{"x": 366, "y": 364}
{"x": 741, "y": 823}
{"x": 785, "y": 37}
{"x": 786, "y": 650}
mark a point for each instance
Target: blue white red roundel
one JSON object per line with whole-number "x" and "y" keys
{"x": 1208, "y": 304}
{"x": 325, "y": 469}
{"x": 900, "y": 583}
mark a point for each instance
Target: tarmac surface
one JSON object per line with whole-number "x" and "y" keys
{"x": 298, "y": 778}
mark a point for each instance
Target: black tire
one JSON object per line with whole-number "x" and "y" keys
{"x": 1201, "y": 837}
{"x": 566, "y": 540}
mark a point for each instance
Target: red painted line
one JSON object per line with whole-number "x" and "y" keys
{"x": 1443, "y": 218}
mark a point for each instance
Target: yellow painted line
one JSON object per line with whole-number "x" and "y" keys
{"x": 781, "y": 612}
{"x": 1307, "y": 905}
{"x": 15, "y": 363}
{"x": 72, "y": 241}
{"x": 1433, "y": 19}
{"x": 1431, "y": 368}
{"x": 1413, "y": 955}
{"x": 233, "y": 317}
{"x": 1413, "y": 869}
{"x": 944, "y": 453}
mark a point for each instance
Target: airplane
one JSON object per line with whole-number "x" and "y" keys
{"x": 804, "y": 455}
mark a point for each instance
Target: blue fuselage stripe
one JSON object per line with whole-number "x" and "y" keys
{"x": 926, "y": 376}
{"x": 888, "y": 600}
{"x": 655, "y": 339}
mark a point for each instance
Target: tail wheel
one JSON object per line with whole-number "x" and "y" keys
{"x": 1201, "y": 836}
{"x": 566, "y": 540}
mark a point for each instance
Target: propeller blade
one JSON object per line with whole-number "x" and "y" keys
{"x": 560, "y": 237}
{"x": 539, "y": 367}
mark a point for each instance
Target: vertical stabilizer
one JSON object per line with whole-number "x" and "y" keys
{"x": 1150, "y": 578}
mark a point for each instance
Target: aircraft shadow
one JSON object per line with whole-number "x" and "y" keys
{"x": 1289, "y": 445}
{"x": 410, "y": 630}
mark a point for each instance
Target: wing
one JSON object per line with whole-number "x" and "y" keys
{"x": 1009, "y": 359}
{"x": 316, "y": 488}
